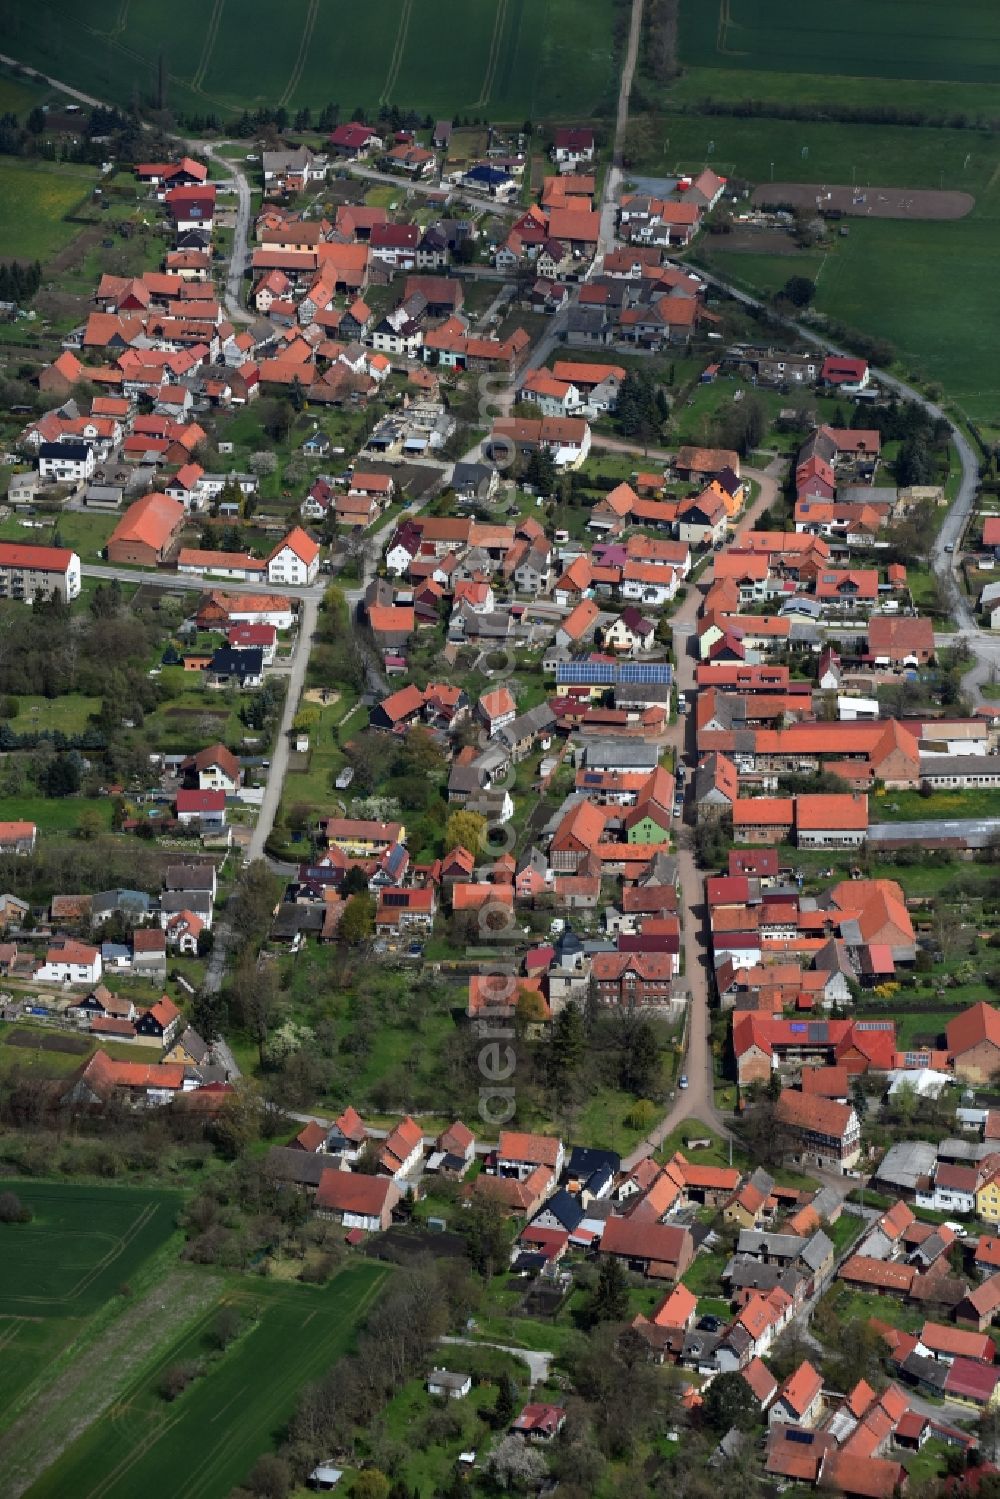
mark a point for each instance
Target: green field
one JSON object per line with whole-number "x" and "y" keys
{"x": 504, "y": 56}
{"x": 202, "y": 1444}
{"x": 867, "y": 38}
{"x": 84, "y": 1242}
{"x": 35, "y": 198}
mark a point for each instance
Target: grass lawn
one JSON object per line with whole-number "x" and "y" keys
{"x": 54, "y": 814}
{"x": 299, "y": 1334}
{"x": 65, "y": 715}
{"x": 35, "y": 199}
{"x": 910, "y": 806}
{"x": 67, "y": 1265}
{"x": 716, "y": 1154}
{"x": 704, "y": 1275}
{"x": 84, "y": 533}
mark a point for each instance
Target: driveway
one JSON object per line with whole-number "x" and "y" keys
{"x": 280, "y": 752}
{"x": 239, "y": 256}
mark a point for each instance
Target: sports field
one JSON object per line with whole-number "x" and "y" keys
{"x": 83, "y": 1244}
{"x": 507, "y": 58}
{"x": 203, "y": 1444}
{"x": 35, "y": 198}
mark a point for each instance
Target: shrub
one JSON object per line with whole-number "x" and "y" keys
{"x": 12, "y": 1209}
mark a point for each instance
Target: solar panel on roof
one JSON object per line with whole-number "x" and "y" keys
{"x": 608, "y": 673}
{"x": 817, "y": 1030}
{"x": 793, "y": 1434}
{"x": 797, "y": 1027}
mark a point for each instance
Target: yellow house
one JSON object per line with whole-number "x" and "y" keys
{"x": 359, "y": 838}
{"x": 988, "y": 1199}
{"x": 189, "y": 1049}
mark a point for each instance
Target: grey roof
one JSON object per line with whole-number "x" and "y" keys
{"x": 611, "y": 754}
{"x": 817, "y": 1251}
{"x": 189, "y": 877}
{"x": 747, "y": 1274}
{"x": 193, "y": 1043}
{"x": 959, "y": 765}
{"x": 971, "y": 832}
{"x": 302, "y": 1166}
{"x": 965, "y": 1150}
{"x": 527, "y": 725}
{"x": 825, "y": 1202}
{"x": 906, "y": 1162}
{"x": 447, "y": 1379}
{"x": 782, "y": 1246}
{"x": 198, "y": 901}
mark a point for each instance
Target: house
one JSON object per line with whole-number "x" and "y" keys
{"x": 212, "y": 769}
{"x": 30, "y": 572}
{"x": 831, "y": 821}
{"x": 403, "y": 1150}
{"x": 206, "y": 808}
{"x": 446, "y": 1385}
{"x": 655, "y": 1249}
{"x": 348, "y": 1135}
{"x": 519, "y": 1154}
{"x": 149, "y": 953}
{"x": 18, "y": 838}
{"x": 496, "y": 710}
{"x": 355, "y": 1200}
{"x": 69, "y": 962}
{"x": 821, "y": 1131}
{"x": 146, "y": 532}
{"x": 355, "y": 141}
{"x": 66, "y": 462}
{"x": 974, "y": 1043}
{"x": 540, "y": 1423}
{"x": 799, "y": 1401}
{"x": 161, "y": 1020}
{"x": 405, "y": 910}
{"x": 295, "y": 560}
{"x": 900, "y": 640}
{"x": 572, "y": 145}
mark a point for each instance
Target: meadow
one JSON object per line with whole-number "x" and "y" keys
{"x": 35, "y": 199}
{"x": 505, "y": 57}
{"x": 203, "y": 1443}
{"x": 67, "y": 1265}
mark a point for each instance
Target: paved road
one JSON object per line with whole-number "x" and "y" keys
{"x": 538, "y": 1363}
{"x": 239, "y": 257}
{"x": 612, "y": 180}
{"x": 182, "y": 582}
{"x": 961, "y": 508}
{"x": 479, "y": 200}
{"x": 697, "y": 1101}
{"x": 280, "y": 752}
{"x": 74, "y": 93}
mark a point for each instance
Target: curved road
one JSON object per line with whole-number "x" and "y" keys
{"x": 961, "y": 508}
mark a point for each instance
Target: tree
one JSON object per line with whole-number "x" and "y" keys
{"x": 609, "y": 1301}
{"x": 226, "y": 1327}
{"x": 262, "y": 463}
{"x": 799, "y": 290}
{"x": 506, "y": 1403}
{"x": 566, "y": 1047}
{"x": 255, "y": 991}
{"x": 89, "y": 824}
{"x": 729, "y": 1401}
{"x": 370, "y": 1484}
{"x": 357, "y": 925}
{"x": 514, "y": 1464}
{"x": 465, "y": 830}
{"x": 639, "y": 1064}
{"x": 253, "y": 902}
{"x": 270, "y": 1477}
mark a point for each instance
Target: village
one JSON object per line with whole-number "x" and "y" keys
{"x": 562, "y": 666}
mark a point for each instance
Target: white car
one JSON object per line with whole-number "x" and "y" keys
{"x": 682, "y": 1081}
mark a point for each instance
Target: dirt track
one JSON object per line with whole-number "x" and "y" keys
{"x": 866, "y": 202}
